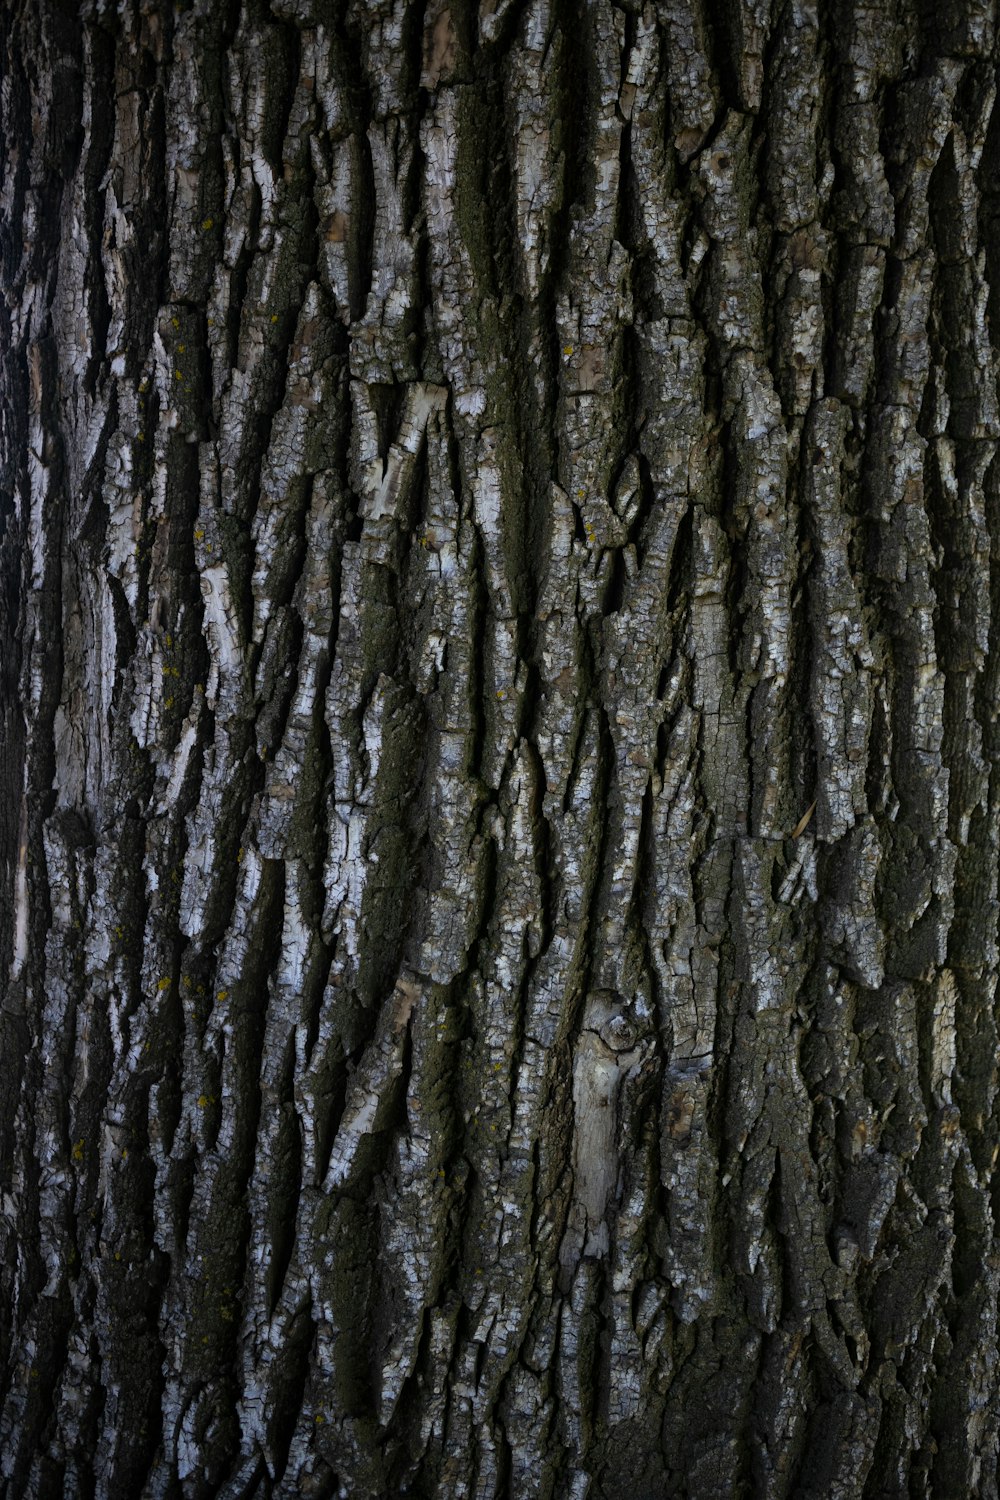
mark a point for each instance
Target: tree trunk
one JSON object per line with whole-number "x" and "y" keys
{"x": 500, "y": 807}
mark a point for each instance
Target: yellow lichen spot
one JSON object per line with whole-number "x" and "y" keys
{"x": 168, "y": 641}
{"x": 239, "y": 855}
{"x": 163, "y": 984}
{"x": 199, "y": 535}
{"x": 178, "y": 375}
{"x": 175, "y": 322}
{"x": 274, "y": 317}
{"x": 207, "y": 223}
{"x": 118, "y": 1255}
{"x": 169, "y": 703}
{"x": 181, "y": 348}
{"x": 501, "y": 693}
{"x": 124, "y": 1153}
{"x": 77, "y": 1152}
{"x": 319, "y": 1419}
{"x": 186, "y": 981}
{"x": 141, "y": 437}
{"x": 222, "y": 995}
{"x": 568, "y": 350}
{"x": 119, "y": 933}
{"x": 202, "y": 1101}
{"x": 208, "y": 546}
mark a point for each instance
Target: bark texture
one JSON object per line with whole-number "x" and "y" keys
{"x": 499, "y": 804}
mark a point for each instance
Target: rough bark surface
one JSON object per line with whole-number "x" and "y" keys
{"x": 500, "y": 816}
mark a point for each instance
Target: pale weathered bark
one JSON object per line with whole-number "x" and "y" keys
{"x": 500, "y": 814}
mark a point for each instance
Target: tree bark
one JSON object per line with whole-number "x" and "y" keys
{"x": 500, "y": 814}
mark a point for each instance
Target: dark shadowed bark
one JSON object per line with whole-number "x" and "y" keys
{"x": 499, "y": 801}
